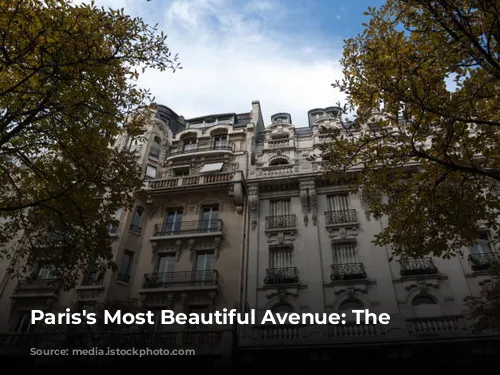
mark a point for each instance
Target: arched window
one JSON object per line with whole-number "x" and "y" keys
{"x": 424, "y": 305}
{"x": 278, "y": 161}
{"x": 154, "y": 150}
{"x": 347, "y": 306}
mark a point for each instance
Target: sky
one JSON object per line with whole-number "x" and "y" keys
{"x": 283, "y": 53}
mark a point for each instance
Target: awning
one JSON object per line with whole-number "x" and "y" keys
{"x": 211, "y": 167}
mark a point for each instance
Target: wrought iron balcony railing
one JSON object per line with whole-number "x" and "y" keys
{"x": 188, "y": 227}
{"x": 420, "y": 266}
{"x": 189, "y": 149}
{"x": 281, "y": 222}
{"x": 276, "y": 276}
{"x": 341, "y": 217}
{"x": 483, "y": 261}
{"x": 348, "y": 271}
{"x": 37, "y": 285}
{"x": 172, "y": 279}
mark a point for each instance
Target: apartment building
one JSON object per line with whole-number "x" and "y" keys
{"x": 310, "y": 250}
{"x": 236, "y": 213}
{"x": 180, "y": 246}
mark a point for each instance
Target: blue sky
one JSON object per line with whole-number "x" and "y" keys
{"x": 284, "y": 53}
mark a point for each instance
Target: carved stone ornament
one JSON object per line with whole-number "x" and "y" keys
{"x": 253, "y": 203}
{"x": 343, "y": 233}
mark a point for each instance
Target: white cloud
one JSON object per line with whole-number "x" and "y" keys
{"x": 235, "y": 52}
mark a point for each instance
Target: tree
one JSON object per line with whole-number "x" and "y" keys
{"x": 423, "y": 80}
{"x": 68, "y": 78}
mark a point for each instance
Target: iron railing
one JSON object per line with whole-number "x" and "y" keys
{"x": 341, "y": 217}
{"x": 188, "y": 227}
{"x": 186, "y": 278}
{"x": 483, "y": 261}
{"x": 417, "y": 266}
{"x": 281, "y": 222}
{"x": 348, "y": 271}
{"x": 191, "y": 148}
{"x": 276, "y": 276}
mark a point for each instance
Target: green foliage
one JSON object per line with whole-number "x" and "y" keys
{"x": 67, "y": 84}
{"x": 422, "y": 154}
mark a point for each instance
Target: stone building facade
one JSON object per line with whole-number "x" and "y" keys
{"x": 236, "y": 213}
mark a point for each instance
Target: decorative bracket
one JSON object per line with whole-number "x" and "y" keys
{"x": 308, "y": 201}
{"x": 190, "y": 248}
{"x": 253, "y": 203}
{"x": 217, "y": 245}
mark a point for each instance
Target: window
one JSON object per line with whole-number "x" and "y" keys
{"x": 173, "y": 221}
{"x": 125, "y": 266}
{"x": 154, "y": 150}
{"x": 23, "y": 323}
{"x": 425, "y": 305}
{"x": 220, "y": 141}
{"x": 344, "y": 252}
{"x": 181, "y": 171}
{"x": 204, "y": 268}
{"x": 45, "y": 272}
{"x": 151, "y": 171}
{"x": 112, "y": 229}
{"x": 135, "y": 226}
{"x": 348, "y": 306}
{"x": 338, "y": 202}
{"x": 280, "y": 207}
{"x": 93, "y": 277}
{"x": 164, "y": 269}
{"x": 189, "y": 144}
{"x": 209, "y": 219}
{"x": 280, "y": 256}
{"x": 481, "y": 245}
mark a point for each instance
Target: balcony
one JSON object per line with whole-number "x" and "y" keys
{"x": 436, "y": 326}
{"x": 184, "y": 182}
{"x": 198, "y": 228}
{"x": 211, "y": 148}
{"x": 282, "y": 222}
{"x": 279, "y": 276}
{"x": 37, "y": 288}
{"x": 180, "y": 281}
{"x": 278, "y": 170}
{"x": 341, "y": 217}
{"x": 348, "y": 271}
{"x": 416, "y": 267}
{"x": 483, "y": 261}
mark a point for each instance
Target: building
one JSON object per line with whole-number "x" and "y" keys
{"x": 237, "y": 214}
